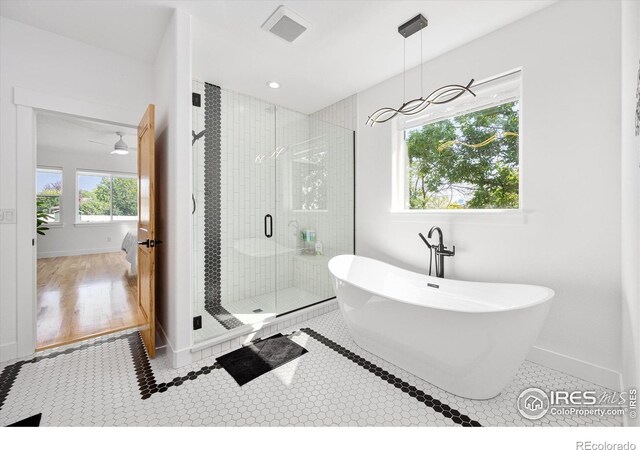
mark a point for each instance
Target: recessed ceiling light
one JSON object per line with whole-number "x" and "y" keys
{"x": 273, "y": 84}
{"x": 120, "y": 152}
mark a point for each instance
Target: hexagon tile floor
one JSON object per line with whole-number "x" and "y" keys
{"x": 110, "y": 382}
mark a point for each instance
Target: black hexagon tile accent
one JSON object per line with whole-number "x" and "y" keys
{"x": 414, "y": 392}
{"x": 144, "y": 372}
{"x": 212, "y": 209}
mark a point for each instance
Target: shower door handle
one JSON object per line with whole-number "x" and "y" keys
{"x": 268, "y": 225}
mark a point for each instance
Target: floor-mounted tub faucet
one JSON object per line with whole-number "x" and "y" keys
{"x": 440, "y": 251}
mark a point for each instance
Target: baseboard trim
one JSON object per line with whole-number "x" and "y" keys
{"x": 8, "y": 351}
{"x": 181, "y": 358}
{"x": 87, "y": 251}
{"x": 593, "y": 373}
{"x": 178, "y": 358}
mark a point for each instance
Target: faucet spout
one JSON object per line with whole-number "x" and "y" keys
{"x": 440, "y": 251}
{"x": 439, "y": 234}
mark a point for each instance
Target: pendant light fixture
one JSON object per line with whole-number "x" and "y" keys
{"x": 444, "y": 94}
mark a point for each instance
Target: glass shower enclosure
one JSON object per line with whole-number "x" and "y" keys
{"x": 273, "y": 201}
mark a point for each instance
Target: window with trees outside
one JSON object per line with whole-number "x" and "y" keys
{"x": 49, "y": 193}
{"x": 467, "y": 158}
{"x": 107, "y": 197}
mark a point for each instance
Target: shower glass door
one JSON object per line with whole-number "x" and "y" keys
{"x": 249, "y": 250}
{"x": 234, "y": 204}
{"x": 273, "y": 201}
{"x": 314, "y": 206}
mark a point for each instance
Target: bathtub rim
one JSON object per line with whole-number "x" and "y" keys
{"x": 548, "y": 298}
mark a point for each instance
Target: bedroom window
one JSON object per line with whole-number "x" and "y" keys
{"x": 107, "y": 197}
{"x": 466, "y": 156}
{"x": 49, "y": 193}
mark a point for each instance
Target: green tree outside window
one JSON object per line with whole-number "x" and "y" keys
{"x": 469, "y": 161}
{"x": 113, "y": 196}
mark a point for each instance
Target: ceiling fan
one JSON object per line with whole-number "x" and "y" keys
{"x": 120, "y": 147}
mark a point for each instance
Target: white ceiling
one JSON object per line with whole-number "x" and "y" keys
{"x": 130, "y": 28}
{"x": 350, "y": 46}
{"x": 72, "y": 134}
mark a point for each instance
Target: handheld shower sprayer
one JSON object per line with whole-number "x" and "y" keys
{"x": 430, "y": 247}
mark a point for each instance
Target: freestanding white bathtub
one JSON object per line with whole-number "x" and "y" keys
{"x": 467, "y": 338}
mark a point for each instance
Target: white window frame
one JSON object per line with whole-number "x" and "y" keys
{"x": 493, "y": 91}
{"x": 111, "y": 175}
{"x": 52, "y": 170}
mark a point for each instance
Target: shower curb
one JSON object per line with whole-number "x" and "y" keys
{"x": 224, "y": 344}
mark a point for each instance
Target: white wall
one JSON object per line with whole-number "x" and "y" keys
{"x": 172, "y": 96}
{"x": 45, "y": 62}
{"x": 630, "y": 197}
{"x": 568, "y": 240}
{"x": 69, "y": 238}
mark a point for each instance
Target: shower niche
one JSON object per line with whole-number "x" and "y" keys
{"x": 273, "y": 201}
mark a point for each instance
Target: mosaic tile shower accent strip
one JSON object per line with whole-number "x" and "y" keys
{"x": 224, "y": 317}
{"x": 212, "y": 198}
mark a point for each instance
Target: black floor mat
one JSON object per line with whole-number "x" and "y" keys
{"x": 248, "y": 363}
{"x": 33, "y": 421}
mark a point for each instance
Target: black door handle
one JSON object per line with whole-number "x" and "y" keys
{"x": 150, "y": 243}
{"x": 268, "y": 230}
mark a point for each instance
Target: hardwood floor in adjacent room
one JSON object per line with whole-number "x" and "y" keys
{"x": 84, "y": 296}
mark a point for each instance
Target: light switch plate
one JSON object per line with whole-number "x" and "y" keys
{"x": 7, "y": 216}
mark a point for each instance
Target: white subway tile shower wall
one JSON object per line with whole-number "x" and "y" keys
{"x": 247, "y": 132}
{"x": 308, "y": 277}
{"x": 252, "y": 132}
{"x": 343, "y": 113}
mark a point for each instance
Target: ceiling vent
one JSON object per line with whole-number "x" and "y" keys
{"x": 286, "y": 24}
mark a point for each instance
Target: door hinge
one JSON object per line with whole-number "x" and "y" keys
{"x": 197, "y": 322}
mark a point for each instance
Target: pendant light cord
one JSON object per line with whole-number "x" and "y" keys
{"x": 404, "y": 72}
{"x": 421, "y": 69}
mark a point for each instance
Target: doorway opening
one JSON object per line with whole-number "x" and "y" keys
{"x": 87, "y": 203}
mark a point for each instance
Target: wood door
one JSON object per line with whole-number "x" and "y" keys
{"x": 146, "y": 228}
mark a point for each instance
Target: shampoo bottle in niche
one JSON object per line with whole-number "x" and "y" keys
{"x": 319, "y": 251}
{"x": 308, "y": 235}
{"x": 308, "y": 240}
